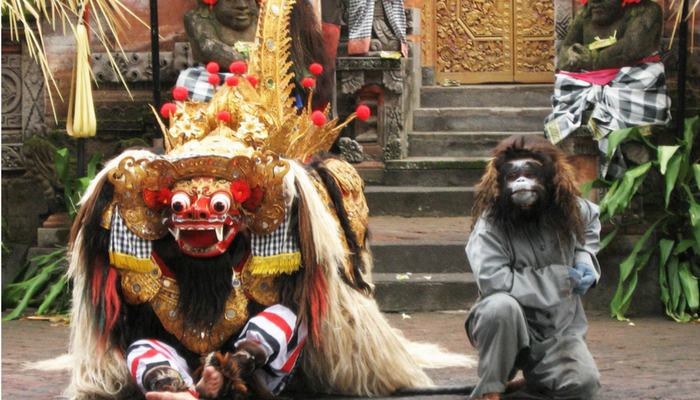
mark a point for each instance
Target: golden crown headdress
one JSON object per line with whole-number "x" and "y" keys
{"x": 244, "y": 133}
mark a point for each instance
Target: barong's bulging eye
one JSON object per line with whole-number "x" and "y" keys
{"x": 220, "y": 203}
{"x": 180, "y": 202}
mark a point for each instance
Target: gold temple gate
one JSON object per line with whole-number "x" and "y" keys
{"x": 476, "y": 41}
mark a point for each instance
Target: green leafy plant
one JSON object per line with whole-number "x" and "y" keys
{"x": 674, "y": 234}
{"x": 42, "y": 285}
{"x": 42, "y": 281}
{"x": 73, "y": 189}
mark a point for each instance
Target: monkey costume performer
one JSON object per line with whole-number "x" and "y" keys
{"x": 533, "y": 250}
{"x": 236, "y": 264}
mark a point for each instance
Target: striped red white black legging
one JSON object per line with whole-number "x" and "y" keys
{"x": 274, "y": 329}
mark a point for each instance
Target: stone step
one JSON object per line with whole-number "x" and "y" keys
{"x": 430, "y": 245}
{"x": 456, "y": 144}
{"x": 486, "y": 96}
{"x": 414, "y": 201}
{"x": 428, "y": 257}
{"x": 425, "y": 292}
{"x": 434, "y": 171}
{"x": 480, "y": 119}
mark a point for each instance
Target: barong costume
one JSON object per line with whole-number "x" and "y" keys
{"x": 241, "y": 248}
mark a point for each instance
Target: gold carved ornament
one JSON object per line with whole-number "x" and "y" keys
{"x": 354, "y": 201}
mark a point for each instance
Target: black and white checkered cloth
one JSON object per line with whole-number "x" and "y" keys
{"x": 281, "y": 241}
{"x": 635, "y": 96}
{"x": 124, "y": 242}
{"x": 196, "y": 80}
{"x": 361, "y": 18}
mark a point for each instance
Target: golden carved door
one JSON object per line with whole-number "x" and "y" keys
{"x": 475, "y": 41}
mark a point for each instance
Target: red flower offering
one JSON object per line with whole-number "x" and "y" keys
{"x": 240, "y": 191}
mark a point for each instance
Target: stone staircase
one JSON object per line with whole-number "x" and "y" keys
{"x": 420, "y": 206}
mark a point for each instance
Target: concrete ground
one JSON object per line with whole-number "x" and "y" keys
{"x": 648, "y": 358}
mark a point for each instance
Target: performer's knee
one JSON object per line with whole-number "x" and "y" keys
{"x": 584, "y": 385}
{"x": 499, "y": 308}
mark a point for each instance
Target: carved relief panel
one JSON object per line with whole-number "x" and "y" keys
{"x": 473, "y": 41}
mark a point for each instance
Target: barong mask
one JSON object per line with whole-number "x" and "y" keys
{"x": 225, "y": 159}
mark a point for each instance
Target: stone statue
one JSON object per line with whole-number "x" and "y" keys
{"x": 213, "y": 32}
{"x": 610, "y": 67}
{"x": 385, "y": 18}
{"x": 611, "y": 34}
{"x": 222, "y": 31}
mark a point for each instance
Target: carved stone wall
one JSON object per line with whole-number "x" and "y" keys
{"x": 22, "y": 104}
{"x": 386, "y": 85}
{"x": 137, "y": 66}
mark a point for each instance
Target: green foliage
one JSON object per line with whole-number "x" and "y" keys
{"x": 42, "y": 281}
{"x": 74, "y": 188}
{"x": 29, "y": 286}
{"x": 678, "y": 228}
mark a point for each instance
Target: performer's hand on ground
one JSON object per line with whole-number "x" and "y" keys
{"x": 169, "y": 396}
{"x": 211, "y": 383}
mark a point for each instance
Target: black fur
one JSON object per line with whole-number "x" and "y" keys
{"x": 204, "y": 283}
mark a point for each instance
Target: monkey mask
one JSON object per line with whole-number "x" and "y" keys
{"x": 529, "y": 179}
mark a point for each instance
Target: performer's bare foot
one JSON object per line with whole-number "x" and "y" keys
{"x": 169, "y": 396}
{"x": 211, "y": 383}
{"x": 515, "y": 385}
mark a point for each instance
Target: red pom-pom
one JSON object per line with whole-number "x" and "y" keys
{"x": 238, "y": 67}
{"x": 316, "y": 68}
{"x": 253, "y": 80}
{"x": 180, "y": 93}
{"x": 214, "y": 79}
{"x": 318, "y": 118}
{"x": 168, "y": 109}
{"x": 210, "y": 2}
{"x": 224, "y": 116}
{"x": 232, "y": 80}
{"x": 308, "y": 82}
{"x": 212, "y": 67}
{"x": 362, "y": 112}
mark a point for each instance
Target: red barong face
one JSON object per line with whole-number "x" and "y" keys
{"x": 206, "y": 215}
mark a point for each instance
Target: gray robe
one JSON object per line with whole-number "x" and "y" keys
{"x": 527, "y": 317}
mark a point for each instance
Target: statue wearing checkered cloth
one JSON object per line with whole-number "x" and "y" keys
{"x": 236, "y": 264}
{"x": 610, "y": 66}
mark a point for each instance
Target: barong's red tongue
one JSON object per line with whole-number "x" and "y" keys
{"x": 199, "y": 239}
